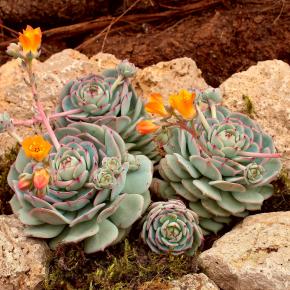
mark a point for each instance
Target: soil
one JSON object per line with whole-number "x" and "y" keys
{"x": 222, "y": 40}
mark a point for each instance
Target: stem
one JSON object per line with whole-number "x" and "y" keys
{"x": 25, "y": 122}
{"x": 47, "y": 125}
{"x": 39, "y": 106}
{"x": 260, "y": 155}
{"x": 38, "y": 119}
{"x": 202, "y": 119}
{"x": 213, "y": 109}
{"x": 118, "y": 80}
{"x": 13, "y": 134}
{"x": 67, "y": 113}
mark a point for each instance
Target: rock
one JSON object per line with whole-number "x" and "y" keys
{"x": 56, "y": 11}
{"x": 193, "y": 282}
{"x": 255, "y": 255}
{"x": 51, "y": 76}
{"x": 169, "y": 77}
{"x": 267, "y": 85}
{"x": 23, "y": 260}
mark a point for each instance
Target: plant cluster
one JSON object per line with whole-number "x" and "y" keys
{"x": 86, "y": 180}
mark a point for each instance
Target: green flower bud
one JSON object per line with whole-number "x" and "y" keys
{"x": 14, "y": 50}
{"x": 126, "y": 69}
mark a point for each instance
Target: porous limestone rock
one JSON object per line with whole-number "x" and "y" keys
{"x": 265, "y": 86}
{"x": 22, "y": 260}
{"x": 193, "y": 282}
{"x": 169, "y": 77}
{"x": 255, "y": 255}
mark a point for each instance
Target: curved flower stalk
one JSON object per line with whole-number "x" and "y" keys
{"x": 90, "y": 190}
{"x": 225, "y": 170}
{"x": 171, "y": 228}
{"x": 108, "y": 99}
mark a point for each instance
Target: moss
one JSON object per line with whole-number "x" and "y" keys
{"x": 249, "y": 107}
{"x": 282, "y": 184}
{"x": 5, "y": 191}
{"x": 124, "y": 266}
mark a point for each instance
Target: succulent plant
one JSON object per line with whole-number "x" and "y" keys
{"x": 224, "y": 170}
{"x": 96, "y": 190}
{"x": 5, "y": 122}
{"x": 171, "y": 228}
{"x": 108, "y": 99}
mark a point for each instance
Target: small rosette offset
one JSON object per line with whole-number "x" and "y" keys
{"x": 171, "y": 228}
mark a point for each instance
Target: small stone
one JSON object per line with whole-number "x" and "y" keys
{"x": 255, "y": 255}
{"x": 22, "y": 259}
{"x": 193, "y": 282}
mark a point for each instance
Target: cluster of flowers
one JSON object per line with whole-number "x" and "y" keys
{"x": 87, "y": 179}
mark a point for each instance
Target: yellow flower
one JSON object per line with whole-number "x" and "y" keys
{"x": 146, "y": 127}
{"x": 156, "y": 106}
{"x": 36, "y": 147}
{"x": 30, "y": 39}
{"x": 183, "y": 103}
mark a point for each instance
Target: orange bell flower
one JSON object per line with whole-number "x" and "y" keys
{"x": 36, "y": 147}
{"x": 146, "y": 127}
{"x": 155, "y": 105}
{"x": 183, "y": 103}
{"x": 41, "y": 178}
{"x": 30, "y": 39}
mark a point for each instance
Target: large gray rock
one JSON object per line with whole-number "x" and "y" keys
{"x": 267, "y": 86}
{"x": 22, "y": 260}
{"x": 193, "y": 282}
{"x": 253, "y": 256}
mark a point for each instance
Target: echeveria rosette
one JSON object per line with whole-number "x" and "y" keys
{"x": 108, "y": 99}
{"x": 224, "y": 171}
{"x": 81, "y": 204}
{"x": 171, "y": 228}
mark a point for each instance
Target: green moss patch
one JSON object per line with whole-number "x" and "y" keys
{"x": 124, "y": 266}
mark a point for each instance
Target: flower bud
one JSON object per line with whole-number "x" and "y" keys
{"x": 14, "y": 50}
{"x": 126, "y": 69}
{"x": 25, "y": 181}
{"x": 41, "y": 178}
